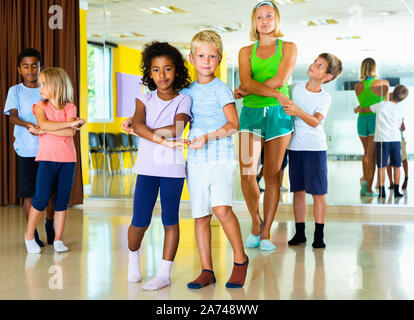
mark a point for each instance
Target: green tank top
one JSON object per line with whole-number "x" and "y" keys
{"x": 367, "y": 98}
{"x": 262, "y": 70}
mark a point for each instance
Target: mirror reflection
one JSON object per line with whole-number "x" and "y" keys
{"x": 117, "y": 31}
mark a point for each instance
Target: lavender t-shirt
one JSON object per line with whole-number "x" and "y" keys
{"x": 154, "y": 159}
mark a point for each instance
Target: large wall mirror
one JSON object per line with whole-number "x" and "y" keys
{"x": 116, "y": 31}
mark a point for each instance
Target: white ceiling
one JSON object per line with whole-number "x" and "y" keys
{"x": 382, "y": 37}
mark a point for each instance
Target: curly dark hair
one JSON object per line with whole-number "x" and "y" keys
{"x": 158, "y": 49}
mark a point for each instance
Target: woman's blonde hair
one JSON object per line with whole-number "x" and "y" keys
{"x": 368, "y": 69}
{"x": 59, "y": 85}
{"x": 254, "y": 35}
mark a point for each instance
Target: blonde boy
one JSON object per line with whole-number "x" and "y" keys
{"x": 210, "y": 162}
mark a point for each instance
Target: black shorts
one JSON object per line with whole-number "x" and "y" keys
{"x": 26, "y": 177}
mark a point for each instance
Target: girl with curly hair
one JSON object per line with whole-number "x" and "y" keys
{"x": 159, "y": 120}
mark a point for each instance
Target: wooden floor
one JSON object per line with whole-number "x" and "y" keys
{"x": 368, "y": 256}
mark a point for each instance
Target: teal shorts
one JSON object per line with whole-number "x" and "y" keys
{"x": 268, "y": 123}
{"x": 366, "y": 125}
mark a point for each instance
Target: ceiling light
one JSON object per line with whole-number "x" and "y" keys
{"x": 166, "y": 9}
{"x": 332, "y": 21}
{"x": 387, "y": 13}
{"x": 131, "y": 34}
{"x": 217, "y": 29}
{"x": 162, "y": 10}
{"x": 348, "y": 38}
{"x": 158, "y": 10}
{"x": 318, "y": 22}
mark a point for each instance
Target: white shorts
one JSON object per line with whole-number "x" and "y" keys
{"x": 210, "y": 185}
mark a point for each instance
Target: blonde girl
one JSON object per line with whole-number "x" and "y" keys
{"x": 57, "y": 124}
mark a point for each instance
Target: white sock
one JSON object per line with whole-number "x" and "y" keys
{"x": 134, "y": 274}
{"x": 59, "y": 246}
{"x": 32, "y": 246}
{"x": 162, "y": 279}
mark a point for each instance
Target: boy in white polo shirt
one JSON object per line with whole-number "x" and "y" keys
{"x": 210, "y": 162}
{"x": 388, "y": 136}
{"x": 307, "y": 149}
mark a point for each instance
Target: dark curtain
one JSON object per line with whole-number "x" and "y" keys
{"x": 26, "y": 24}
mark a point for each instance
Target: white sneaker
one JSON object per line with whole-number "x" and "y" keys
{"x": 59, "y": 246}
{"x": 32, "y": 246}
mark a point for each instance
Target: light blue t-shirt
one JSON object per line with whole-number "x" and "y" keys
{"x": 208, "y": 116}
{"x": 23, "y": 98}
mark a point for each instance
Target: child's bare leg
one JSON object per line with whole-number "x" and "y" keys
{"x": 405, "y": 166}
{"x": 231, "y": 228}
{"x": 299, "y": 206}
{"x": 49, "y": 225}
{"x": 60, "y": 220}
{"x": 389, "y": 173}
{"x": 50, "y": 210}
{"x": 299, "y": 211}
{"x": 381, "y": 176}
{"x": 203, "y": 239}
{"x": 135, "y": 235}
{"x": 319, "y": 207}
{"x": 27, "y": 204}
{"x": 162, "y": 278}
{"x": 397, "y": 173}
{"x": 381, "y": 179}
{"x": 34, "y": 218}
{"x": 171, "y": 240}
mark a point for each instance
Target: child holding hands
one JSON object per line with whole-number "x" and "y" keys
{"x": 57, "y": 124}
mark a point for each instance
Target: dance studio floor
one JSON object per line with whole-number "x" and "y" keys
{"x": 368, "y": 256}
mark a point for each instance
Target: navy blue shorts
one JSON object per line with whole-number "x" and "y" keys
{"x": 56, "y": 178}
{"x": 308, "y": 171}
{"x": 391, "y": 151}
{"x": 146, "y": 193}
